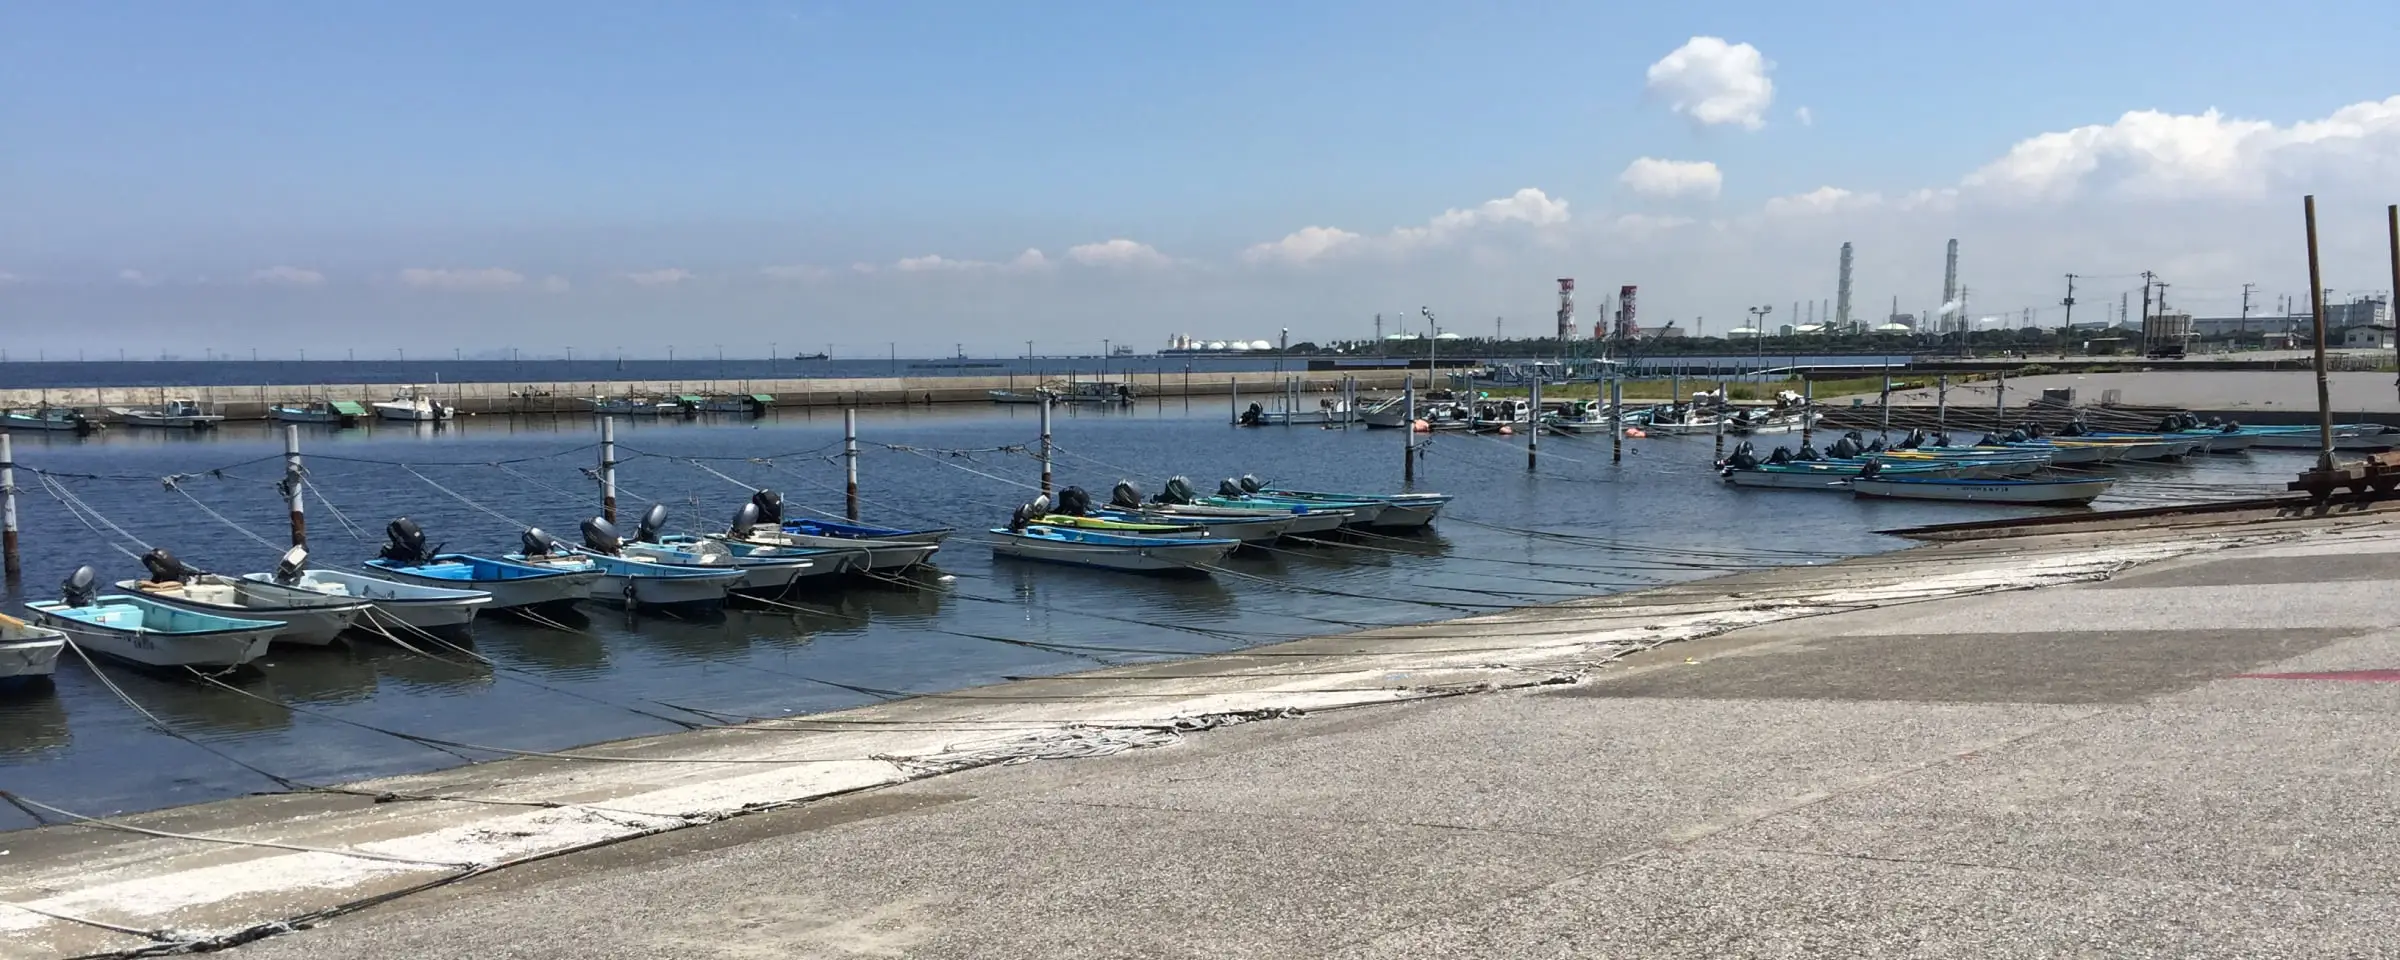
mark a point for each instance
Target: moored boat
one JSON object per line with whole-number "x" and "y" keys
{"x": 50, "y": 420}
{"x": 308, "y": 617}
{"x": 512, "y": 585}
{"x": 631, "y": 581}
{"x": 28, "y": 651}
{"x": 138, "y": 629}
{"x": 176, "y": 414}
{"x": 413, "y": 405}
{"x": 763, "y": 574}
{"x": 1026, "y": 539}
{"x": 416, "y": 606}
{"x": 2033, "y": 492}
{"x": 341, "y": 412}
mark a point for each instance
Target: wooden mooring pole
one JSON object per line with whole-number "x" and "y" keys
{"x": 1616, "y": 418}
{"x": 1533, "y": 425}
{"x": 2316, "y": 300}
{"x": 2391, "y": 217}
{"x": 1408, "y": 431}
{"x": 608, "y": 469}
{"x": 1808, "y": 408}
{"x": 1045, "y": 445}
{"x": 9, "y": 561}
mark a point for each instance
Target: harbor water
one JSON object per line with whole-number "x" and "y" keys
{"x": 1658, "y": 516}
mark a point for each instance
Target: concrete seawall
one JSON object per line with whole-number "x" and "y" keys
{"x": 573, "y": 397}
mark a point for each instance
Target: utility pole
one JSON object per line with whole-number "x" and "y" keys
{"x": 2147, "y": 277}
{"x": 2067, "y": 329}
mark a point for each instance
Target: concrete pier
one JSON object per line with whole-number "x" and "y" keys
{"x": 1940, "y": 752}
{"x": 571, "y": 398}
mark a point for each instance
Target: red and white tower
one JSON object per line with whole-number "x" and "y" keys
{"x": 1566, "y": 309}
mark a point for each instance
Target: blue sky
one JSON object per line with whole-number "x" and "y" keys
{"x": 159, "y": 157}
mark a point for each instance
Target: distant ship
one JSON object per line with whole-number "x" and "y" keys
{"x": 814, "y": 356}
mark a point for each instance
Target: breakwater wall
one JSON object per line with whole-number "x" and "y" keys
{"x": 575, "y": 397}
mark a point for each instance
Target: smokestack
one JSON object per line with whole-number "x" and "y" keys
{"x": 1841, "y": 303}
{"x": 1950, "y": 275}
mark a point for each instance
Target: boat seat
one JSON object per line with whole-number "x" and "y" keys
{"x": 159, "y": 586}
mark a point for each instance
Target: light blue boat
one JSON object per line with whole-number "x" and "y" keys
{"x": 631, "y": 581}
{"x": 140, "y": 630}
{"x": 1109, "y": 551}
{"x": 514, "y": 585}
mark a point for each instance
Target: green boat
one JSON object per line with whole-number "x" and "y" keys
{"x": 1124, "y": 527}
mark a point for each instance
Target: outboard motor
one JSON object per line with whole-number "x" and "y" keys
{"x": 653, "y": 521}
{"x": 1254, "y": 416}
{"x": 535, "y": 544}
{"x": 1843, "y": 449}
{"x": 1177, "y": 491}
{"x": 294, "y": 563}
{"x": 404, "y": 544}
{"x": 1022, "y": 516}
{"x": 1744, "y": 458}
{"x": 1808, "y": 452}
{"x": 2035, "y": 431}
{"x": 1780, "y": 456}
{"x": 1875, "y": 447}
{"x": 1855, "y": 437}
{"x": 2016, "y": 436}
{"x": 2231, "y": 426}
{"x": 1870, "y": 468}
{"x": 1229, "y": 487}
{"x": 1125, "y": 495}
{"x": 164, "y": 568}
{"x": 1941, "y": 439}
{"x": 743, "y": 520}
{"x": 600, "y": 536}
{"x": 1989, "y": 441}
{"x": 770, "y": 507}
{"x": 1251, "y": 483}
{"x": 1074, "y": 502}
{"x": 80, "y": 587}
{"x": 1915, "y": 439}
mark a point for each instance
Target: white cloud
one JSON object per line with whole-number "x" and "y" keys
{"x": 1300, "y": 246}
{"x": 470, "y": 278}
{"x": 284, "y": 276}
{"x": 1652, "y": 177}
{"x": 1117, "y": 253}
{"x": 935, "y": 262}
{"x": 2154, "y": 155}
{"x": 666, "y": 277}
{"x": 556, "y": 284}
{"x": 796, "y": 272}
{"x": 133, "y": 277}
{"x": 1715, "y": 82}
{"x": 1819, "y": 201}
{"x": 1529, "y": 207}
{"x": 1807, "y": 117}
{"x": 1031, "y": 259}
{"x": 7, "y": 278}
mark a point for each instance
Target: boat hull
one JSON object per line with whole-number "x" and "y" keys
{"x": 308, "y": 618}
{"x": 1245, "y": 529}
{"x": 27, "y": 650}
{"x": 880, "y": 555}
{"x": 122, "y": 635}
{"x": 533, "y": 589}
{"x": 2027, "y": 492}
{"x": 761, "y": 575}
{"x": 422, "y": 607}
{"x": 1127, "y": 554}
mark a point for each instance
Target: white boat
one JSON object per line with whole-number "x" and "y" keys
{"x": 753, "y": 405}
{"x": 341, "y": 412}
{"x": 636, "y": 407}
{"x": 138, "y": 629}
{"x": 1580, "y": 417}
{"x": 1492, "y": 416}
{"x": 28, "y": 651}
{"x": 415, "y": 605}
{"x": 49, "y": 419}
{"x": 631, "y": 581}
{"x": 2346, "y": 436}
{"x": 1089, "y": 548}
{"x": 176, "y": 414}
{"x": 2037, "y": 492}
{"x": 413, "y": 405}
{"x": 763, "y": 574}
{"x": 307, "y": 617}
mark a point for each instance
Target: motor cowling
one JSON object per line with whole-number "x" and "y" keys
{"x": 743, "y": 519}
{"x": 1126, "y": 495}
{"x": 404, "y": 543}
{"x": 1843, "y": 449}
{"x": 1870, "y": 468}
{"x": 535, "y": 542}
{"x": 654, "y": 521}
{"x": 165, "y": 568}
{"x": 1254, "y": 416}
{"x": 1780, "y": 455}
{"x": 80, "y": 587}
{"x": 770, "y": 507}
{"x": 293, "y": 564}
{"x": 1808, "y": 452}
{"x": 1251, "y": 483}
{"x": 1229, "y": 487}
{"x": 1177, "y": 491}
{"x": 600, "y": 536}
{"x": 1074, "y": 502}
{"x": 1877, "y": 446}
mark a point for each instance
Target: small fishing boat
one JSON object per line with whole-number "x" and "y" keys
{"x": 763, "y": 574}
{"x": 49, "y": 419}
{"x": 1494, "y": 416}
{"x": 512, "y": 585}
{"x": 139, "y": 629}
{"x": 1016, "y": 396}
{"x": 747, "y": 405}
{"x": 1025, "y": 539}
{"x": 413, "y": 405}
{"x": 27, "y": 652}
{"x": 308, "y": 617}
{"x": 416, "y": 606}
{"x": 1247, "y": 524}
{"x": 341, "y": 412}
{"x": 2033, "y": 492}
{"x": 636, "y": 407}
{"x": 865, "y": 531}
{"x": 1092, "y": 391}
{"x": 631, "y": 581}
{"x": 1580, "y": 417}
{"x": 177, "y": 414}
{"x": 1401, "y": 511}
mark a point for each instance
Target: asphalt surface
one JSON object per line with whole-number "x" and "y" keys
{"x": 2096, "y": 769}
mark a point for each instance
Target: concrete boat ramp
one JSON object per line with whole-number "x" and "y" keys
{"x": 2170, "y": 738}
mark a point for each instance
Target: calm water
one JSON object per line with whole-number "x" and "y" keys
{"x": 77, "y": 746}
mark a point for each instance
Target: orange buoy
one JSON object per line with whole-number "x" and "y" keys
{"x": 1635, "y": 432}
{"x": 1506, "y": 430}
{"x": 1421, "y": 427}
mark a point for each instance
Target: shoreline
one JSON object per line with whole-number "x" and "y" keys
{"x": 513, "y": 811}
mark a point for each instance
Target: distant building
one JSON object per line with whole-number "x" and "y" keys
{"x": 2356, "y": 312}
{"x": 1668, "y": 331}
{"x": 2375, "y": 335}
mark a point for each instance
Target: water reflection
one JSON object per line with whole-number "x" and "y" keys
{"x": 186, "y": 702}
{"x": 32, "y": 720}
{"x": 573, "y": 652}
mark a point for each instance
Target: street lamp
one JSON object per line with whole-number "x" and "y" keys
{"x": 1758, "y": 333}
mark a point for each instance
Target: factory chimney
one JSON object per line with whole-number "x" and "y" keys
{"x": 1950, "y": 276}
{"x": 1841, "y": 303}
